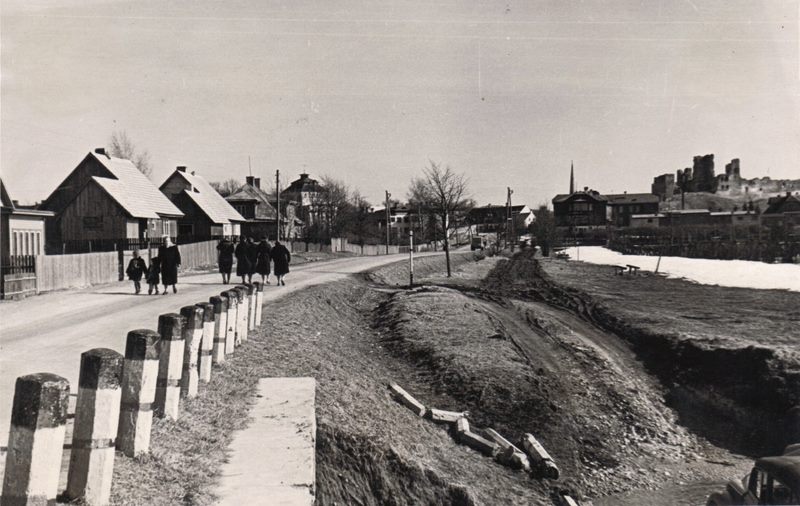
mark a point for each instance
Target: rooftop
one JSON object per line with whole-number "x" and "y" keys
{"x": 207, "y": 198}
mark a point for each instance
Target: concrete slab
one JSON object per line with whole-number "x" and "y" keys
{"x": 272, "y": 461}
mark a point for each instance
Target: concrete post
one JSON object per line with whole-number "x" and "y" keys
{"x": 230, "y": 332}
{"x": 139, "y": 378}
{"x": 207, "y": 344}
{"x": 242, "y": 312}
{"x": 91, "y": 463}
{"x": 251, "y": 305}
{"x": 36, "y": 440}
{"x": 220, "y": 328}
{"x": 170, "y": 365}
{"x": 192, "y": 337}
{"x": 259, "y": 302}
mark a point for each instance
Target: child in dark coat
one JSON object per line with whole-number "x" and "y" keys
{"x": 154, "y": 275}
{"x": 136, "y": 269}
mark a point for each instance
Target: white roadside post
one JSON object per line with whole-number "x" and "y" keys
{"x": 259, "y": 302}
{"x": 207, "y": 344}
{"x": 220, "y": 327}
{"x": 91, "y": 463}
{"x": 36, "y": 439}
{"x": 251, "y": 304}
{"x": 411, "y": 258}
{"x": 192, "y": 336}
{"x": 139, "y": 378}
{"x": 170, "y": 365}
{"x": 242, "y": 311}
{"x": 230, "y": 331}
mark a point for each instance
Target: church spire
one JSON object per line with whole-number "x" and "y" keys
{"x": 571, "y": 178}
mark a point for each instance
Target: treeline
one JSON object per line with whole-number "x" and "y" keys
{"x": 720, "y": 243}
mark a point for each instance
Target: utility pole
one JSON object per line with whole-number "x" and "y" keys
{"x": 278, "y": 210}
{"x": 509, "y": 219}
{"x": 411, "y": 258}
{"x": 387, "y": 221}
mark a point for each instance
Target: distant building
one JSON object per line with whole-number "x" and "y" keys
{"x": 494, "y": 218}
{"x": 663, "y": 186}
{"x": 105, "y": 201}
{"x": 622, "y": 206}
{"x": 402, "y": 219}
{"x": 260, "y": 213}
{"x": 206, "y": 213}
{"x": 308, "y": 193}
{"x": 647, "y": 220}
{"x": 782, "y": 212}
{"x": 23, "y": 229}
{"x": 581, "y": 210}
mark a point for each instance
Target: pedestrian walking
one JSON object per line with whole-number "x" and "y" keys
{"x": 263, "y": 250}
{"x": 154, "y": 275}
{"x": 281, "y": 258}
{"x": 225, "y": 259}
{"x": 252, "y": 254}
{"x": 170, "y": 261}
{"x": 242, "y": 259}
{"x": 136, "y": 269}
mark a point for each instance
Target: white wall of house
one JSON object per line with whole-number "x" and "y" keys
{"x": 26, "y": 235}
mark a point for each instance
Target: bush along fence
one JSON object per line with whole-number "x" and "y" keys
{"x": 117, "y": 399}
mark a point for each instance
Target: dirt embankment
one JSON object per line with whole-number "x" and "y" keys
{"x": 728, "y": 357}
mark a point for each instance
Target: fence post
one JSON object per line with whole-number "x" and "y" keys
{"x": 91, "y": 463}
{"x": 36, "y": 439}
{"x": 139, "y": 377}
{"x": 220, "y": 304}
{"x": 230, "y": 331}
{"x": 207, "y": 344}
{"x": 242, "y": 312}
{"x": 251, "y": 306}
{"x": 259, "y": 302}
{"x": 170, "y": 365}
{"x": 192, "y": 336}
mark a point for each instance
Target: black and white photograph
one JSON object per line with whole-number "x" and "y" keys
{"x": 366, "y": 253}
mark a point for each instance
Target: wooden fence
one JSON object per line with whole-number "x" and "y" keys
{"x": 18, "y": 276}
{"x": 57, "y": 272}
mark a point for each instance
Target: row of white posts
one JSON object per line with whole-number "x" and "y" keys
{"x": 117, "y": 398}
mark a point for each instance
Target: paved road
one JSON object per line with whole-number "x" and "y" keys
{"x": 48, "y": 333}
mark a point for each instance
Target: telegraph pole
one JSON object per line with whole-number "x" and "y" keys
{"x": 387, "y": 221}
{"x": 278, "y": 210}
{"x": 509, "y": 218}
{"x": 411, "y": 258}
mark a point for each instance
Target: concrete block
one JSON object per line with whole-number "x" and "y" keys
{"x": 443, "y": 416}
{"x": 541, "y": 461}
{"x": 568, "y": 501}
{"x": 509, "y": 454}
{"x": 462, "y": 425}
{"x": 476, "y": 442}
{"x": 407, "y": 399}
{"x": 139, "y": 379}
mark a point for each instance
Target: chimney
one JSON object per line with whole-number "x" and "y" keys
{"x": 585, "y": 188}
{"x": 250, "y": 180}
{"x": 257, "y": 182}
{"x": 181, "y": 168}
{"x": 101, "y": 151}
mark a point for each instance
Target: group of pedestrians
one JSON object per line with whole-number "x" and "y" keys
{"x": 163, "y": 269}
{"x": 253, "y": 258}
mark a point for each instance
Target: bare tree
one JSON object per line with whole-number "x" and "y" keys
{"x": 544, "y": 229}
{"x": 120, "y": 146}
{"x": 227, "y": 187}
{"x": 330, "y": 205}
{"x": 443, "y": 193}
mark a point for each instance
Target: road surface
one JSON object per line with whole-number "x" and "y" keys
{"x": 48, "y": 333}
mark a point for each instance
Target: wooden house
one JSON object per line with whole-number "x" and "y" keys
{"x": 107, "y": 202}
{"x": 580, "y": 210}
{"x": 622, "y": 206}
{"x": 260, "y": 214}
{"x": 206, "y": 214}
{"x": 23, "y": 228}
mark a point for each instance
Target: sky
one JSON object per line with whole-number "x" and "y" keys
{"x": 508, "y": 93}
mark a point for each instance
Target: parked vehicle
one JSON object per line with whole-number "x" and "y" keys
{"x": 773, "y": 480}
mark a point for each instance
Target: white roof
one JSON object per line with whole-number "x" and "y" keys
{"x": 209, "y": 200}
{"x": 133, "y": 190}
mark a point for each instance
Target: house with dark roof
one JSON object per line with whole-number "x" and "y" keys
{"x": 260, "y": 213}
{"x": 493, "y": 218}
{"x": 206, "y": 214}
{"x": 307, "y": 193}
{"x": 782, "y": 211}
{"x": 23, "y": 228}
{"x": 580, "y": 210}
{"x": 107, "y": 202}
{"x": 621, "y": 206}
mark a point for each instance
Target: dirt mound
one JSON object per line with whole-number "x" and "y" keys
{"x": 734, "y": 393}
{"x": 424, "y": 268}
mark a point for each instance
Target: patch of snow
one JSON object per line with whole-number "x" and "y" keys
{"x": 736, "y": 273}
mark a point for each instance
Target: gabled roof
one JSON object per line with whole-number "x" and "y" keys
{"x": 249, "y": 193}
{"x": 131, "y": 189}
{"x": 591, "y": 193}
{"x": 632, "y": 198}
{"x": 304, "y": 184}
{"x": 5, "y": 199}
{"x": 782, "y": 203}
{"x": 207, "y": 198}
{"x": 496, "y": 212}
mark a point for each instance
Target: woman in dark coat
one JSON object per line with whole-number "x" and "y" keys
{"x": 262, "y": 259}
{"x": 242, "y": 259}
{"x": 225, "y": 259}
{"x": 281, "y": 257}
{"x": 252, "y": 254}
{"x": 170, "y": 261}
